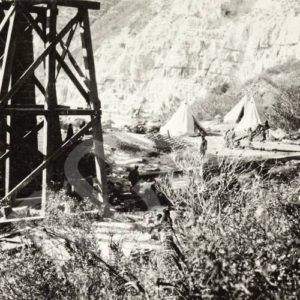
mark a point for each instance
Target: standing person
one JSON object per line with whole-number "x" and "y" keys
{"x": 134, "y": 175}
{"x": 70, "y": 132}
{"x": 264, "y": 134}
{"x": 267, "y": 129}
{"x": 82, "y": 124}
{"x": 226, "y": 138}
{"x": 250, "y": 134}
{"x": 233, "y": 136}
{"x": 203, "y": 146}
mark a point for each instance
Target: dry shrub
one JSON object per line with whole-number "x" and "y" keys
{"x": 234, "y": 236}
{"x": 215, "y": 104}
{"x": 64, "y": 263}
{"x": 240, "y": 240}
{"x": 285, "y": 113}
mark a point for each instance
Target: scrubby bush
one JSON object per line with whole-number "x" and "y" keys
{"x": 285, "y": 112}
{"x": 234, "y": 235}
{"x": 61, "y": 259}
{"x": 240, "y": 240}
{"x": 215, "y": 104}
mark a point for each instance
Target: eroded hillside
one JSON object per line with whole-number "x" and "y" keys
{"x": 149, "y": 53}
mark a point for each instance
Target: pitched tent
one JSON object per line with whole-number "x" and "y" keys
{"x": 182, "y": 122}
{"x": 236, "y": 113}
{"x": 250, "y": 117}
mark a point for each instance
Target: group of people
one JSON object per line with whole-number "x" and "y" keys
{"x": 260, "y": 130}
{"x": 70, "y": 130}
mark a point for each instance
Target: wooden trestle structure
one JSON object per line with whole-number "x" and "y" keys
{"x": 21, "y": 164}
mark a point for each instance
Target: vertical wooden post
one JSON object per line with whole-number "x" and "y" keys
{"x": 91, "y": 82}
{"x": 5, "y": 78}
{"x": 27, "y": 154}
{"x": 8, "y": 57}
{"x": 52, "y": 134}
{"x": 2, "y": 118}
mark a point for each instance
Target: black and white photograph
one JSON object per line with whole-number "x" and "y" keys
{"x": 149, "y": 149}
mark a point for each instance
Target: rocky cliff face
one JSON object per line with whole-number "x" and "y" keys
{"x": 150, "y": 52}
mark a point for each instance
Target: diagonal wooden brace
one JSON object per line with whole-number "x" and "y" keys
{"x": 6, "y": 18}
{"x": 39, "y": 60}
{"x": 46, "y": 163}
{"x": 66, "y": 48}
{"x": 24, "y": 138}
{"x": 58, "y": 57}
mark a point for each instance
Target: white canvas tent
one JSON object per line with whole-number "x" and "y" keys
{"x": 182, "y": 122}
{"x": 250, "y": 118}
{"x": 244, "y": 114}
{"x": 236, "y": 112}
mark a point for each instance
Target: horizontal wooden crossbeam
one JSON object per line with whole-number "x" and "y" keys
{"x": 71, "y": 3}
{"x": 14, "y": 220}
{"x": 33, "y": 106}
{"x": 43, "y": 112}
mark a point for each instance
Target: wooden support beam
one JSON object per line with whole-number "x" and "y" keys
{"x": 33, "y": 23}
{"x": 37, "y": 106}
{"x": 66, "y": 48}
{"x": 37, "y": 218}
{"x": 5, "y": 77}
{"x": 6, "y": 68}
{"x": 74, "y": 63}
{"x": 5, "y": 4}
{"x": 7, "y": 128}
{"x": 46, "y": 163}
{"x": 52, "y": 134}
{"x": 40, "y": 10}
{"x": 73, "y": 78}
{"x": 39, "y": 85}
{"x": 39, "y": 60}
{"x": 45, "y": 112}
{"x": 35, "y": 80}
{"x": 58, "y": 57}
{"x": 90, "y": 74}
{"x": 6, "y": 18}
{"x": 26, "y": 137}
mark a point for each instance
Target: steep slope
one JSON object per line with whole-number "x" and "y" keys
{"x": 149, "y": 52}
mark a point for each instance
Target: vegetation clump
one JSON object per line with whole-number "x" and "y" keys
{"x": 231, "y": 235}
{"x": 285, "y": 112}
